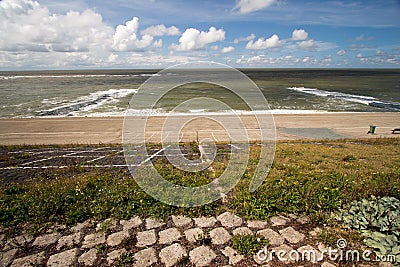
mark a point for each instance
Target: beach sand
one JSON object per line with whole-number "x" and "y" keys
{"x": 104, "y": 130}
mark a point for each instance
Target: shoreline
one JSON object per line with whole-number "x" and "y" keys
{"x": 108, "y": 130}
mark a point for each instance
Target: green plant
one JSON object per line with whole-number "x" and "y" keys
{"x": 378, "y": 219}
{"x": 248, "y": 245}
{"x": 126, "y": 259}
{"x": 101, "y": 248}
{"x": 349, "y": 158}
{"x": 183, "y": 260}
{"x": 204, "y": 239}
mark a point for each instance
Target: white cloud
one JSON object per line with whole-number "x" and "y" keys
{"x": 341, "y": 53}
{"x": 160, "y": 30}
{"x": 359, "y": 55}
{"x": 193, "y": 39}
{"x": 244, "y": 39}
{"x": 126, "y": 37}
{"x": 28, "y": 26}
{"x": 308, "y": 45}
{"x": 227, "y": 49}
{"x": 299, "y": 35}
{"x": 214, "y": 47}
{"x": 262, "y": 43}
{"x": 248, "y": 6}
{"x": 158, "y": 43}
{"x": 363, "y": 38}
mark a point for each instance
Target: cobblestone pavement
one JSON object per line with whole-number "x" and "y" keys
{"x": 179, "y": 241}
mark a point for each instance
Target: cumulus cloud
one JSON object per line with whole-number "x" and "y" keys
{"x": 299, "y": 35}
{"x": 28, "y": 26}
{"x": 161, "y": 30}
{"x": 262, "y": 43}
{"x": 126, "y": 37}
{"x": 341, "y": 52}
{"x": 307, "y": 45}
{"x": 244, "y": 39}
{"x": 193, "y": 39}
{"x": 227, "y": 49}
{"x": 248, "y": 6}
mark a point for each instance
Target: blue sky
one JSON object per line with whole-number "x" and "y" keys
{"x": 49, "y": 34}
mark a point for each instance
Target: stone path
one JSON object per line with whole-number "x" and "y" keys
{"x": 178, "y": 241}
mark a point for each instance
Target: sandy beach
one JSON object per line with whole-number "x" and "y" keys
{"x": 95, "y": 130}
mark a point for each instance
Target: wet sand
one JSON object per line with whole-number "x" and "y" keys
{"x": 104, "y": 130}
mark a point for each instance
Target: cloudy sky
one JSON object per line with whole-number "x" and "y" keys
{"x": 79, "y": 34}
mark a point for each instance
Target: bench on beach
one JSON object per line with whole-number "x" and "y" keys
{"x": 395, "y": 130}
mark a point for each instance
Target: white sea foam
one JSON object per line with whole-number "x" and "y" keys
{"x": 366, "y": 100}
{"x": 89, "y": 102}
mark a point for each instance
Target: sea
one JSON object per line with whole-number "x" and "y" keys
{"x": 83, "y": 93}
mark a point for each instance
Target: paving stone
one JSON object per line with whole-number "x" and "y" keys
{"x": 219, "y": 236}
{"x": 21, "y": 240}
{"x": 257, "y": 224}
{"x": 233, "y": 256}
{"x": 69, "y": 240}
{"x": 182, "y": 221}
{"x": 292, "y": 235}
{"x": 66, "y": 258}
{"x": 93, "y": 240}
{"x": 46, "y": 240}
{"x": 88, "y": 258}
{"x": 192, "y": 235}
{"x": 169, "y": 236}
{"x": 202, "y": 256}
{"x": 7, "y": 257}
{"x": 309, "y": 254}
{"x": 170, "y": 255}
{"x": 327, "y": 264}
{"x": 116, "y": 238}
{"x": 242, "y": 231}
{"x": 2, "y": 238}
{"x": 146, "y": 238}
{"x": 145, "y": 257}
{"x": 28, "y": 261}
{"x": 279, "y": 220}
{"x": 80, "y": 227}
{"x": 132, "y": 223}
{"x": 114, "y": 255}
{"x": 229, "y": 220}
{"x": 205, "y": 221}
{"x": 107, "y": 225}
{"x": 273, "y": 237}
{"x": 151, "y": 224}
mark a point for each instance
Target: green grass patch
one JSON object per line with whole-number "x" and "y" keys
{"x": 248, "y": 245}
{"x": 315, "y": 178}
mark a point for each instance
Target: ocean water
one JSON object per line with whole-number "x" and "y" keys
{"x": 108, "y": 92}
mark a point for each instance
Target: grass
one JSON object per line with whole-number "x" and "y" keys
{"x": 315, "y": 178}
{"x": 248, "y": 245}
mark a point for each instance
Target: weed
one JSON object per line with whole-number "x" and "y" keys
{"x": 204, "y": 239}
{"x": 126, "y": 259}
{"x": 183, "y": 260}
{"x": 248, "y": 245}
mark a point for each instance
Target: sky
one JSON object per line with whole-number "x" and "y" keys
{"x": 95, "y": 34}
